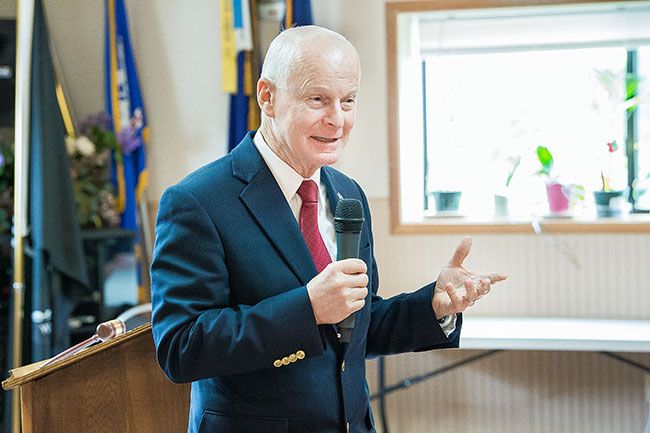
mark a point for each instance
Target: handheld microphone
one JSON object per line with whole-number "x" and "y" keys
{"x": 348, "y": 220}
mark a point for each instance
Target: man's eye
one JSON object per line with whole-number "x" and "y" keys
{"x": 317, "y": 99}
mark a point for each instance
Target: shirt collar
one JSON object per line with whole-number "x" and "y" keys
{"x": 287, "y": 178}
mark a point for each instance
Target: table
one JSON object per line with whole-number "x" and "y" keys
{"x": 494, "y": 334}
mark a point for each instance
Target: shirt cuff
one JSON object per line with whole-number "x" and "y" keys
{"x": 448, "y": 324}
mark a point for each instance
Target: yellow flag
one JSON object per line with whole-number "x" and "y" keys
{"x": 228, "y": 49}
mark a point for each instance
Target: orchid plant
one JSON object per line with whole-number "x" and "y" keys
{"x": 605, "y": 172}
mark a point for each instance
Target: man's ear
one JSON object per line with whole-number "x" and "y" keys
{"x": 266, "y": 96}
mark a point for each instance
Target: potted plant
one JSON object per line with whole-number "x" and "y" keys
{"x": 447, "y": 202}
{"x": 446, "y": 190}
{"x": 501, "y": 199}
{"x": 608, "y": 200}
{"x": 560, "y": 196}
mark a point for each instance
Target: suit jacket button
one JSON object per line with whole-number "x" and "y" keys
{"x": 300, "y": 354}
{"x": 343, "y": 366}
{"x": 293, "y": 357}
{"x": 285, "y": 360}
{"x": 277, "y": 363}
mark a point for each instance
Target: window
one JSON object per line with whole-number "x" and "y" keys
{"x": 478, "y": 91}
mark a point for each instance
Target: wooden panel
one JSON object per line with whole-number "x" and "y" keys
{"x": 121, "y": 389}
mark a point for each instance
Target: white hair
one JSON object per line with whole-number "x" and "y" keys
{"x": 286, "y": 54}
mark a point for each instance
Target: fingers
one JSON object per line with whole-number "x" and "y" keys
{"x": 494, "y": 278}
{"x": 456, "y": 300}
{"x": 467, "y": 294}
{"x": 461, "y": 252}
{"x": 356, "y": 299}
{"x": 338, "y": 291}
{"x": 471, "y": 292}
{"x": 350, "y": 266}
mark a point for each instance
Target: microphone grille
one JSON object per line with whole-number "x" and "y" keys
{"x": 348, "y": 217}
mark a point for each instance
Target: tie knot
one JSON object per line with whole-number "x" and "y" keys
{"x": 308, "y": 191}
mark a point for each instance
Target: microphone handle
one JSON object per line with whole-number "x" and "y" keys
{"x": 347, "y": 245}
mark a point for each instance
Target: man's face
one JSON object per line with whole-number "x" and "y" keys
{"x": 313, "y": 116}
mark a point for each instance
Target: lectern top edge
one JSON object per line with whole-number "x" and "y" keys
{"x": 27, "y": 373}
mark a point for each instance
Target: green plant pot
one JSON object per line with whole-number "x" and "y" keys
{"x": 446, "y": 201}
{"x": 500, "y": 205}
{"x": 608, "y": 203}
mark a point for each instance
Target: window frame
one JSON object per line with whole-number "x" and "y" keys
{"x": 632, "y": 223}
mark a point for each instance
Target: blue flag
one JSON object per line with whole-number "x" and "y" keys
{"x": 126, "y": 110}
{"x": 239, "y": 106}
{"x": 239, "y": 52}
{"x": 125, "y": 107}
{"x": 297, "y": 13}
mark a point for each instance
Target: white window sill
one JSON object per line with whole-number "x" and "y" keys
{"x": 626, "y": 223}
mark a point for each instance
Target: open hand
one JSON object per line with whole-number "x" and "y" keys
{"x": 457, "y": 288}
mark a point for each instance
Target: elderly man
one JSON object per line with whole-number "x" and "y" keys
{"x": 245, "y": 292}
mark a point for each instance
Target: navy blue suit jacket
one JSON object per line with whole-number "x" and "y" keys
{"x": 231, "y": 313}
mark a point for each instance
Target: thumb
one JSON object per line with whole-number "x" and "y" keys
{"x": 461, "y": 252}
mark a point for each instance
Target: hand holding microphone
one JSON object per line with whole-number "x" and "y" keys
{"x": 340, "y": 289}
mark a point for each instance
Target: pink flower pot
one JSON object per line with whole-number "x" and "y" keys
{"x": 558, "y": 202}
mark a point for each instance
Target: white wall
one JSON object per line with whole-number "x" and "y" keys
{"x": 176, "y": 47}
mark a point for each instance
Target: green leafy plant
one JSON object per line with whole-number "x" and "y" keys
{"x": 546, "y": 160}
{"x": 575, "y": 192}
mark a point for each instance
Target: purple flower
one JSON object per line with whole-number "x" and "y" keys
{"x": 128, "y": 138}
{"x": 101, "y": 120}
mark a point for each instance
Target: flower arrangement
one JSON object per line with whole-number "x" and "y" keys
{"x": 90, "y": 164}
{"x": 6, "y": 187}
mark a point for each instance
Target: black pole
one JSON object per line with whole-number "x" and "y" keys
{"x": 381, "y": 374}
{"x": 631, "y": 119}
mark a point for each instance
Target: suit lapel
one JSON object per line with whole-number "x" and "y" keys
{"x": 332, "y": 187}
{"x": 264, "y": 199}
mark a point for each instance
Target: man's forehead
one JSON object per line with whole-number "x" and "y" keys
{"x": 326, "y": 73}
{"x": 325, "y": 85}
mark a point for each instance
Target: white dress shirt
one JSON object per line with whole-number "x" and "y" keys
{"x": 289, "y": 181}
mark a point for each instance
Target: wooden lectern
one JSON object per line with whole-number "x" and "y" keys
{"x": 115, "y": 386}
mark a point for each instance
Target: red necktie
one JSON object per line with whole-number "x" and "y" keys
{"x": 308, "y": 192}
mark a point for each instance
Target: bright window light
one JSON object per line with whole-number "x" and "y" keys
{"x": 481, "y": 90}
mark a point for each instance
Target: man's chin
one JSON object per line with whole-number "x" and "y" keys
{"x": 329, "y": 158}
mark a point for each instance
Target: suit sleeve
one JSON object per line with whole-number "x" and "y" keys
{"x": 406, "y": 322}
{"x": 197, "y": 333}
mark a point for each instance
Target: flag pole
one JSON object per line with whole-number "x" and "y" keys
{"x": 25, "y": 23}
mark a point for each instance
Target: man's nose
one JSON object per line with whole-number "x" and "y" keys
{"x": 334, "y": 116}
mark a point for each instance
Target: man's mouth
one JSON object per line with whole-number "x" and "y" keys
{"x": 324, "y": 139}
